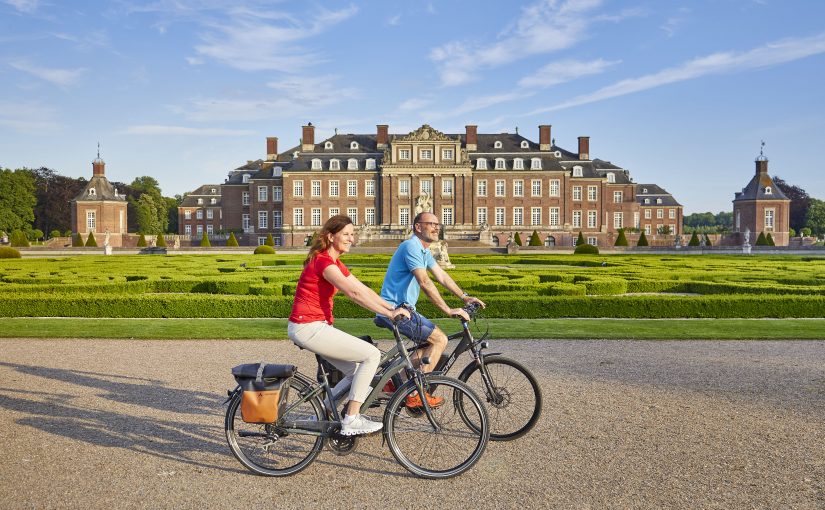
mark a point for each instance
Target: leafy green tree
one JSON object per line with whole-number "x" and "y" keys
{"x": 269, "y": 240}
{"x": 517, "y": 239}
{"x": 535, "y": 240}
{"x": 37, "y": 234}
{"x": 54, "y": 193}
{"x": 54, "y": 233}
{"x": 161, "y": 242}
{"x": 815, "y": 219}
{"x": 664, "y": 230}
{"x": 694, "y": 240}
{"x": 642, "y": 240}
{"x": 17, "y": 199}
{"x": 141, "y": 241}
{"x": 769, "y": 240}
{"x": 67, "y": 233}
{"x": 800, "y": 202}
{"x": 806, "y": 232}
{"x": 791, "y": 232}
{"x": 232, "y": 241}
{"x": 18, "y": 239}
{"x": 148, "y": 213}
{"x": 205, "y": 241}
{"x": 621, "y": 240}
{"x": 580, "y": 239}
{"x": 172, "y": 205}
{"x": 761, "y": 240}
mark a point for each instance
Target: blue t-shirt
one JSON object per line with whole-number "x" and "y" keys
{"x": 400, "y": 285}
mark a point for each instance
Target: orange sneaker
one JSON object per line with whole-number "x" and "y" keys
{"x": 414, "y": 401}
{"x": 389, "y": 387}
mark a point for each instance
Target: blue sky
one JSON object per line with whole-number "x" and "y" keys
{"x": 679, "y": 92}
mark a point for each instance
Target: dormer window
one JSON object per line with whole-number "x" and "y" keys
{"x": 768, "y": 190}
{"x": 277, "y": 172}
{"x": 535, "y": 164}
{"x": 295, "y": 154}
{"x": 334, "y": 164}
{"x": 644, "y": 190}
{"x": 577, "y": 171}
{"x": 518, "y": 164}
{"x": 316, "y": 164}
{"x": 481, "y": 164}
{"x": 658, "y": 200}
{"x": 370, "y": 164}
{"x": 525, "y": 144}
{"x": 213, "y": 201}
{"x": 500, "y": 164}
{"x": 245, "y": 178}
{"x": 328, "y": 145}
{"x": 497, "y": 144}
{"x": 611, "y": 177}
{"x": 352, "y": 164}
{"x": 353, "y": 145}
{"x": 214, "y": 191}
{"x": 647, "y": 200}
{"x": 200, "y": 201}
{"x": 92, "y": 192}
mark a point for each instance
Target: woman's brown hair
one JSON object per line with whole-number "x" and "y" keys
{"x": 321, "y": 240}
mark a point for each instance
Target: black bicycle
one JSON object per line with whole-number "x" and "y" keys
{"x": 430, "y": 442}
{"x": 512, "y": 394}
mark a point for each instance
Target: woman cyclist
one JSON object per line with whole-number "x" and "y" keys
{"x": 310, "y": 323}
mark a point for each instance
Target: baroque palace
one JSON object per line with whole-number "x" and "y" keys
{"x": 484, "y": 188}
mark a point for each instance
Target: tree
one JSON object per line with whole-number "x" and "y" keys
{"x": 642, "y": 240}
{"x": 161, "y": 242}
{"x": 535, "y": 240}
{"x": 54, "y": 233}
{"x": 205, "y": 241}
{"x": 517, "y": 239}
{"x": 269, "y": 240}
{"x": 800, "y": 202}
{"x": 90, "y": 241}
{"x": 580, "y": 239}
{"x": 791, "y": 232}
{"x": 54, "y": 193}
{"x": 761, "y": 240}
{"x": 621, "y": 240}
{"x": 19, "y": 240}
{"x": 37, "y": 234}
{"x": 664, "y": 230}
{"x": 17, "y": 200}
{"x": 694, "y": 240}
{"x": 233, "y": 241}
{"x": 172, "y": 205}
{"x": 147, "y": 211}
{"x": 815, "y": 219}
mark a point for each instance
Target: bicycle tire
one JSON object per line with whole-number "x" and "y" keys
{"x": 266, "y": 452}
{"x": 516, "y": 406}
{"x": 423, "y": 451}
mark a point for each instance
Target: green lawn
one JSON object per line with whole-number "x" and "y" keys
{"x": 612, "y": 329}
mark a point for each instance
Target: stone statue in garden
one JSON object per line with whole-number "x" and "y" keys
{"x": 423, "y": 203}
{"x": 439, "y": 251}
{"x": 106, "y": 238}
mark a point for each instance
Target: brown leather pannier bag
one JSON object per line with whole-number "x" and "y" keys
{"x": 264, "y": 390}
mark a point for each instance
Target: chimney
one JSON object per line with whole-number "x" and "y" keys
{"x": 472, "y": 137}
{"x": 545, "y": 142}
{"x": 271, "y": 148}
{"x": 584, "y": 148}
{"x": 98, "y": 166}
{"x": 761, "y": 165}
{"x": 382, "y": 135}
{"x": 308, "y": 138}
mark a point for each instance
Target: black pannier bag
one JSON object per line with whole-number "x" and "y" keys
{"x": 333, "y": 374}
{"x": 265, "y": 390}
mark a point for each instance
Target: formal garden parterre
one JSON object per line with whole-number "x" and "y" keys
{"x": 524, "y": 286}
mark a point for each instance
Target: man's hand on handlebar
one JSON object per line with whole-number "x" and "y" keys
{"x": 400, "y": 313}
{"x": 459, "y": 313}
{"x": 470, "y": 300}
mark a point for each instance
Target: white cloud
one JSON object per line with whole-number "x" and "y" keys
{"x": 28, "y": 117}
{"x": 771, "y": 54}
{"x": 255, "y": 40}
{"x": 546, "y": 26}
{"x": 154, "y": 129}
{"x": 27, "y": 6}
{"x": 564, "y": 71}
{"x": 62, "y": 77}
{"x": 394, "y": 20}
{"x": 314, "y": 91}
{"x": 415, "y": 103}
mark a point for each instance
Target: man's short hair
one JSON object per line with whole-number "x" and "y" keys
{"x": 418, "y": 216}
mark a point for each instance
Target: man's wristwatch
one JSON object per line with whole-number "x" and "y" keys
{"x": 464, "y": 295}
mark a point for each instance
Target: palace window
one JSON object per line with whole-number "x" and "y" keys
{"x": 353, "y": 145}
{"x": 327, "y": 145}
{"x": 447, "y": 215}
{"x": 426, "y": 154}
{"x": 245, "y": 221}
{"x": 404, "y": 154}
{"x": 499, "y": 216}
{"x": 769, "y": 214}
{"x": 425, "y": 186}
{"x": 554, "y": 216}
{"x": 518, "y": 188}
{"x": 535, "y": 164}
{"x": 352, "y": 188}
{"x": 334, "y": 164}
{"x": 481, "y": 215}
{"x": 535, "y": 188}
{"x": 591, "y": 193}
{"x": 618, "y": 218}
{"x": 577, "y": 219}
{"x": 298, "y": 217}
{"x": 497, "y": 144}
{"x": 518, "y": 216}
{"x": 369, "y": 188}
{"x": 500, "y": 164}
{"x": 263, "y": 216}
{"x": 334, "y": 190}
{"x": 535, "y": 215}
{"x": 554, "y": 187}
{"x": 277, "y": 219}
{"x": 481, "y": 164}
{"x": 315, "y": 217}
{"x": 370, "y": 164}
{"x": 404, "y": 187}
{"x": 617, "y": 197}
{"x": 334, "y": 211}
{"x": 187, "y": 215}
{"x": 577, "y": 171}
{"x": 577, "y": 193}
{"x": 277, "y": 193}
{"x": 525, "y": 144}
{"x": 404, "y": 216}
{"x": 262, "y": 193}
{"x": 446, "y": 187}
{"x": 369, "y": 215}
{"x": 518, "y": 164}
{"x": 499, "y": 187}
{"x": 352, "y": 164}
{"x": 591, "y": 219}
{"x": 91, "y": 221}
{"x": 199, "y": 214}
{"x": 481, "y": 188}
{"x": 246, "y": 178}
{"x": 245, "y": 198}
{"x": 298, "y": 189}
{"x": 611, "y": 177}
{"x": 316, "y": 164}
{"x": 447, "y": 154}
{"x": 210, "y": 214}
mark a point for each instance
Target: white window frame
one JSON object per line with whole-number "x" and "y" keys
{"x": 535, "y": 216}
{"x": 370, "y": 164}
{"x": 553, "y": 214}
{"x": 611, "y": 177}
{"x": 316, "y": 164}
{"x": 425, "y": 186}
{"x": 618, "y": 219}
{"x": 481, "y": 164}
{"x": 577, "y": 219}
{"x": 369, "y": 188}
{"x": 334, "y": 188}
{"x": 518, "y": 164}
{"x": 369, "y": 215}
{"x": 481, "y": 215}
{"x": 352, "y": 188}
{"x": 277, "y": 219}
{"x": 404, "y": 187}
{"x": 481, "y": 188}
{"x": 315, "y": 217}
{"x": 187, "y": 230}
{"x": 246, "y": 221}
{"x": 648, "y": 215}
{"x": 577, "y": 171}
{"x": 199, "y": 214}
{"x": 298, "y": 189}
{"x": 277, "y": 193}
{"x": 577, "y": 193}
{"x": 404, "y": 216}
{"x": 500, "y": 219}
{"x": 770, "y": 218}
{"x": 447, "y": 215}
{"x": 535, "y": 187}
{"x": 592, "y": 193}
{"x": 263, "y": 193}
{"x": 500, "y": 165}
{"x": 555, "y": 187}
{"x": 501, "y": 187}
{"x": 298, "y": 216}
{"x": 334, "y": 211}
{"x": 535, "y": 164}
{"x": 518, "y": 187}
{"x": 334, "y": 164}
{"x": 447, "y": 186}
{"x": 263, "y": 220}
{"x": 352, "y": 212}
{"x": 352, "y": 164}
{"x": 592, "y": 219}
{"x": 425, "y": 154}
{"x": 91, "y": 221}
{"x": 518, "y": 216}
{"x": 671, "y": 214}
{"x": 315, "y": 189}
{"x": 447, "y": 154}
{"x": 187, "y": 215}
{"x": 210, "y": 214}
{"x": 245, "y": 198}
{"x": 618, "y": 197}
{"x": 405, "y": 154}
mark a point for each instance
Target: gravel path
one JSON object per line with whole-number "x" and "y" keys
{"x": 626, "y": 424}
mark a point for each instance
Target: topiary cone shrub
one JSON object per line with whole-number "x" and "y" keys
{"x": 77, "y": 241}
{"x": 580, "y": 240}
{"x": 264, "y": 249}
{"x": 7, "y": 252}
{"x": 141, "y": 241}
{"x": 90, "y": 241}
{"x": 232, "y": 241}
{"x": 769, "y": 240}
{"x": 161, "y": 242}
{"x": 707, "y": 241}
{"x": 642, "y": 240}
{"x": 761, "y": 240}
{"x": 269, "y": 241}
{"x": 19, "y": 239}
{"x": 622, "y": 239}
{"x": 205, "y": 241}
{"x": 517, "y": 239}
{"x": 694, "y": 240}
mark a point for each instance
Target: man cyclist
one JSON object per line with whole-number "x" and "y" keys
{"x": 406, "y": 277}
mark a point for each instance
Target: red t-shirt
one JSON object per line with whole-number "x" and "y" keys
{"x": 313, "y": 295}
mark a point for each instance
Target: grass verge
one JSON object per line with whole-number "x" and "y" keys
{"x": 275, "y": 329}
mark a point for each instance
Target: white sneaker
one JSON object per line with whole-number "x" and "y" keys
{"x": 359, "y": 424}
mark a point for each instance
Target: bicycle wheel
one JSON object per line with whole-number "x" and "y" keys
{"x": 269, "y": 450}
{"x": 451, "y": 449}
{"x": 513, "y": 403}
